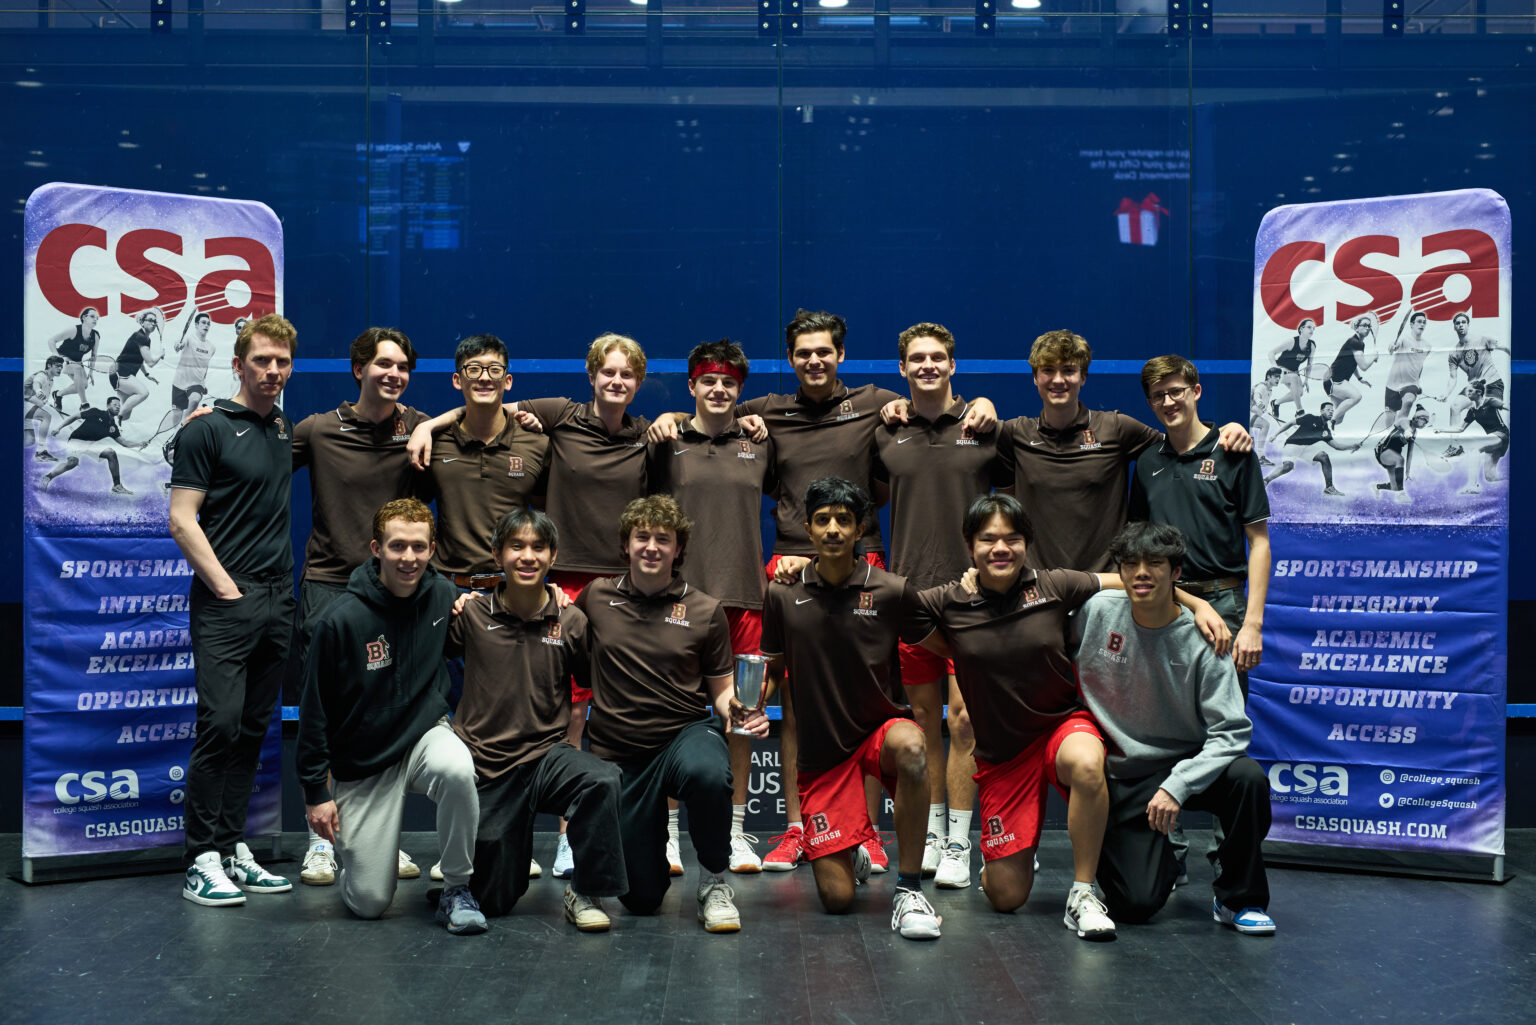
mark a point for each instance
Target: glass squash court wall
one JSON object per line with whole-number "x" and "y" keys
{"x": 686, "y": 171}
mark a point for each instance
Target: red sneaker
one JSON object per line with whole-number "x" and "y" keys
{"x": 788, "y": 852}
{"x": 875, "y": 848}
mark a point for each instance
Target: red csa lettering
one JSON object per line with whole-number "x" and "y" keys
{"x": 132, "y": 257}
{"x": 1384, "y": 289}
{"x": 57, "y": 250}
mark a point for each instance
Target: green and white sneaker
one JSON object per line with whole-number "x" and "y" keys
{"x": 251, "y": 877}
{"x": 208, "y": 885}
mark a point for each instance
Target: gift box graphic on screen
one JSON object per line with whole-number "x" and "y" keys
{"x": 1137, "y": 222}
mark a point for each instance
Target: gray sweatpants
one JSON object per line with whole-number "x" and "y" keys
{"x": 368, "y": 841}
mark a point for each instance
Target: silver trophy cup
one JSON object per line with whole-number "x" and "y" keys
{"x": 751, "y": 676}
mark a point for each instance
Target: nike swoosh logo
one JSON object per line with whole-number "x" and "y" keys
{"x": 683, "y": 452}
{"x": 1156, "y": 472}
{"x": 618, "y": 603}
{"x": 1037, "y": 443}
{"x": 238, "y": 433}
{"x": 346, "y": 428}
{"x": 451, "y": 459}
{"x": 795, "y": 413}
{"x": 496, "y": 626}
{"x": 903, "y": 441}
{"x": 438, "y": 620}
{"x": 802, "y": 601}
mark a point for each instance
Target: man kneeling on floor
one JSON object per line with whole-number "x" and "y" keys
{"x": 521, "y": 652}
{"x": 1173, "y": 714}
{"x": 374, "y": 717}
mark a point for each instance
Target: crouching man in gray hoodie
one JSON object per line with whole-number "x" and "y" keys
{"x": 1178, "y": 736}
{"x": 374, "y": 717}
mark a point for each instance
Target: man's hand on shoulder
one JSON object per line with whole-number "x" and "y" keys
{"x": 980, "y": 417}
{"x": 788, "y": 569}
{"x": 895, "y": 411}
{"x": 1233, "y": 437}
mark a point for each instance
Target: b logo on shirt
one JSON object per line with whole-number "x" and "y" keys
{"x": 514, "y": 466}
{"x": 1115, "y": 642}
{"x": 746, "y": 450}
{"x": 552, "y": 635}
{"x": 845, "y": 411}
{"x": 1207, "y": 470}
{"x": 866, "y": 604}
{"x": 679, "y": 616}
{"x": 1031, "y": 594}
{"x": 1089, "y": 441}
{"x": 377, "y": 653}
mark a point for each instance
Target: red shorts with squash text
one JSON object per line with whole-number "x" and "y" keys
{"x": 1012, "y": 794}
{"x": 572, "y": 583}
{"x": 832, "y": 804}
{"x": 746, "y": 630}
{"x": 921, "y": 666}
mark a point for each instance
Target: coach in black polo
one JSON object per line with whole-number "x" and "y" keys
{"x": 1216, "y": 498}
{"x": 229, "y": 515}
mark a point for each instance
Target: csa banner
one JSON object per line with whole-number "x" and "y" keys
{"x": 1380, "y": 410}
{"x": 132, "y": 304}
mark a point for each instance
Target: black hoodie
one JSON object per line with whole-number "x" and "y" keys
{"x": 374, "y": 679}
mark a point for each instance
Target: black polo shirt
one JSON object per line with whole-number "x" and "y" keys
{"x": 244, "y": 462}
{"x": 1209, "y": 494}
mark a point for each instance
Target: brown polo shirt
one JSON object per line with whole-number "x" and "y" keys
{"x": 831, "y": 438}
{"x": 592, "y": 476}
{"x": 839, "y": 647}
{"x": 476, "y": 485}
{"x": 719, "y": 482}
{"x": 517, "y": 679}
{"x": 1073, "y": 483}
{"x": 650, "y": 656}
{"x": 1010, "y": 654}
{"x": 355, "y": 466}
{"x": 935, "y": 471}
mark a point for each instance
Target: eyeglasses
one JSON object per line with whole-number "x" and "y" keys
{"x": 1176, "y": 394}
{"x": 474, "y": 371}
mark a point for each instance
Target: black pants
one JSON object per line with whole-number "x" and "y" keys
{"x": 241, "y": 647}
{"x": 1137, "y": 865}
{"x": 579, "y": 786}
{"x": 694, "y": 768}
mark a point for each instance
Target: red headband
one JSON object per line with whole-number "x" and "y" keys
{"x": 710, "y": 366}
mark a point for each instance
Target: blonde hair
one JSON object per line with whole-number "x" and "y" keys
{"x": 274, "y": 326}
{"x": 605, "y": 343}
{"x": 1060, "y": 348}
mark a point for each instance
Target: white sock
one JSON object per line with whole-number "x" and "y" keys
{"x": 960, "y": 823}
{"x": 936, "y": 819}
{"x": 672, "y": 824}
{"x": 738, "y": 819}
{"x": 1078, "y": 884}
{"x": 314, "y": 840}
{"x": 795, "y": 825}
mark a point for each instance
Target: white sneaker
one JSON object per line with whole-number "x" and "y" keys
{"x": 913, "y": 916}
{"x": 208, "y": 885}
{"x": 954, "y": 871}
{"x": 565, "y": 861}
{"x": 674, "y": 858}
{"x": 408, "y": 869}
{"x": 435, "y": 873}
{"x": 534, "y": 870}
{"x": 586, "y": 913}
{"x": 744, "y": 859}
{"x": 933, "y": 852}
{"x": 862, "y": 866}
{"x": 1087, "y": 915}
{"x": 319, "y": 866}
{"x": 716, "y": 908}
{"x": 245, "y": 873}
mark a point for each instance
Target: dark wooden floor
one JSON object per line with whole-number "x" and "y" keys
{"x": 1350, "y": 948}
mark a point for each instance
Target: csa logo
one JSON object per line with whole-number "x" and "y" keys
{"x": 97, "y": 786}
{"x": 1305, "y": 778}
{"x": 378, "y": 654}
{"x": 514, "y": 466}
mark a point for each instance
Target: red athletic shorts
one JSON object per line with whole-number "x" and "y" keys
{"x": 746, "y": 630}
{"x": 920, "y": 666}
{"x": 572, "y": 583}
{"x": 1012, "y": 794}
{"x": 832, "y": 803}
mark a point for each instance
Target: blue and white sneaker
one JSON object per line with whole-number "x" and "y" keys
{"x": 206, "y": 884}
{"x": 459, "y": 912}
{"x": 1249, "y": 921}
{"x": 245, "y": 873}
{"x": 565, "y": 861}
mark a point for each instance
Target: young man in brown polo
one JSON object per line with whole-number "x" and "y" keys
{"x": 718, "y": 474}
{"x": 934, "y": 465}
{"x": 835, "y": 630}
{"x": 661, "y": 659}
{"x": 521, "y": 653}
{"x": 1072, "y": 464}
